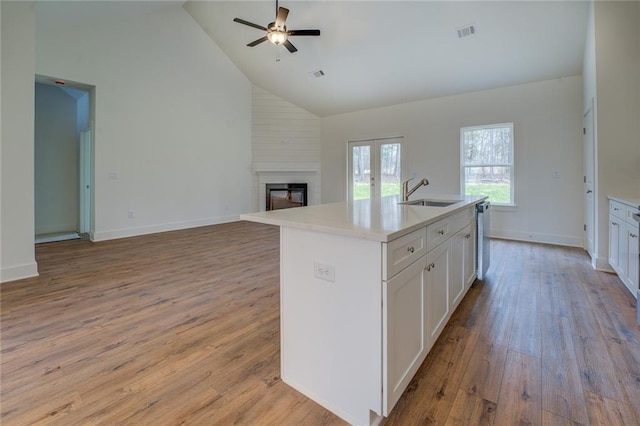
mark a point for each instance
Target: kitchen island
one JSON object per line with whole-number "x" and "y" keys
{"x": 366, "y": 287}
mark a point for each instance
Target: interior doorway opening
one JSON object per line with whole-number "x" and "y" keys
{"x": 63, "y": 151}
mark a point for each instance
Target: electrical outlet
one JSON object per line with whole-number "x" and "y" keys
{"x": 556, "y": 174}
{"x": 131, "y": 214}
{"x": 324, "y": 271}
{"x": 113, "y": 174}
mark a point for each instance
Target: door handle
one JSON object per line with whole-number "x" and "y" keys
{"x": 589, "y": 191}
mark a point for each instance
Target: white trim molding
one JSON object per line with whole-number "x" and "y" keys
{"x": 165, "y": 227}
{"x": 559, "y": 240}
{"x": 19, "y": 272}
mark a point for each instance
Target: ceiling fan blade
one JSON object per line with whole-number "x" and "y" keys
{"x": 251, "y": 24}
{"x": 257, "y": 42}
{"x": 290, "y": 47}
{"x": 304, "y": 32}
{"x": 281, "y": 17}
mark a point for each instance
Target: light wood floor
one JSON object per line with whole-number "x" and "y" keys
{"x": 182, "y": 328}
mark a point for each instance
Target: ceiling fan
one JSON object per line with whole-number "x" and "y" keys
{"x": 277, "y": 32}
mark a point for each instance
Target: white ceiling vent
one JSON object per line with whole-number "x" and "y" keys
{"x": 466, "y": 31}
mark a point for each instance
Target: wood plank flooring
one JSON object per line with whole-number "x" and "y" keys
{"x": 183, "y": 328}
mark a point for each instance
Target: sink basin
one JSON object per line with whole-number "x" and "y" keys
{"x": 430, "y": 203}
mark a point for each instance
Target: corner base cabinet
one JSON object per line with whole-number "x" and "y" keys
{"x": 359, "y": 316}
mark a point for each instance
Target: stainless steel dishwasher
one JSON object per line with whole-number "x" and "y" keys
{"x": 483, "y": 256}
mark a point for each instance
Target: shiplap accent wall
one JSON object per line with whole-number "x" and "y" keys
{"x": 286, "y": 141}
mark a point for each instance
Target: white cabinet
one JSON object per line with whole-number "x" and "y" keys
{"x": 623, "y": 244}
{"x": 633, "y": 265}
{"x": 469, "y": 251}
{"x": 438, "y": 277}
{"x": 404, "y": 335}
{"x": 418, "y": 299}
{"x": 614, "y": 241}
{"x": 463, "y": 271}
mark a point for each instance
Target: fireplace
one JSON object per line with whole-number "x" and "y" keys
{"x": 285, "y": 195}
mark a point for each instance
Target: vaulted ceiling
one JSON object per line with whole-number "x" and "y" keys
{"x": 377, "y": 53}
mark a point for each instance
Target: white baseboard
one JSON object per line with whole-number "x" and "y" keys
{"x": 602, "y": 264}
{"x": 559, "y": 240}
{"x": 164, "y": 227}
{"x": 18, "y": 272}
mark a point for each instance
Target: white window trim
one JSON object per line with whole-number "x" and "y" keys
{"x": 511, "y": 207}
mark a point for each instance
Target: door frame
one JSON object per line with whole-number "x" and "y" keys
{"x": 589, "y": 182}
{"x": 374, "y": 158}
{"x": 86, "y": 186}
{"x": 90, "y": 204}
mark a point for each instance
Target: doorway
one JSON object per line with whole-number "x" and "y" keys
{"x": 374, "y": 168}
{"x": 589, "y": 186}
{"x": 63, "y": 150}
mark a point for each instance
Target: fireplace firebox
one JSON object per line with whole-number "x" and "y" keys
{"x": 285, "y": 195}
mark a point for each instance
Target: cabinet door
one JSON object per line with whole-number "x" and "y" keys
{"x": 438, "y": 261}
{"x": 457, "y": 274}
{"x": 404, "y": 336}
{"x": 469, "y": 255}
{"x": 463, "y": 264}
{"x": 633, "y": 259}
{"x": 623, "y": 250}
{"x": 614, "y": 238}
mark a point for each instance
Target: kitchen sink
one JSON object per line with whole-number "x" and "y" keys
{"x": 430, "y": 203}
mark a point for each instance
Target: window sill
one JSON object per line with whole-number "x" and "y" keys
{"x": 504, "y": 207}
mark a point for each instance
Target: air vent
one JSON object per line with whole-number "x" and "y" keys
{"x": 466, "y": 31}
{"x": 318, "y": 74}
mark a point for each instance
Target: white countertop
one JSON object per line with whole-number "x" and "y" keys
{"x": 379, "y": 219}
{"x": 633, "y": 202}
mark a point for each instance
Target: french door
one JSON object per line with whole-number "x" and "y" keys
{"x": 374, "y": 168}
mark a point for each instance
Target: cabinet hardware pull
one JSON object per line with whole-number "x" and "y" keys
{"x": 615, "y": 209}
{"x": 614, "y": 223}
{"x": 634, "y": 236}
{"x": 441, "y": 232}
{"x": 431, "y": 266}
{"x": 467, "y": 236}
{"x": 410, "y": 249}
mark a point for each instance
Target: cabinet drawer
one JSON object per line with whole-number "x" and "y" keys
{"x": 443, "y": 229}
{"x": 628, "y": 214}
{"x": 617, "y": 209}
{"x": 402, "y": 252}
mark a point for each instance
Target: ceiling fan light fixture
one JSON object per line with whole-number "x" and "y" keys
{"x": 277, "y": 37}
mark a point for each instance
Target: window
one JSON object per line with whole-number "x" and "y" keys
{"x": 487, "y": 162}
{"x": 374, "y": 168}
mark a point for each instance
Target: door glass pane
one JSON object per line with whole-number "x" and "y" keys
{"x": 390, "y": 168}
{"x": 361, "y": 169}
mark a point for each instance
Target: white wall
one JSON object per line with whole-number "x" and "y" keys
{"x": 547, "y": 119}
{"x": 56, "y": 161}
{"x": 285, "y": 137}
{"x": 172, "y": 113}
{"x": 589, "y": 63}
{"x": 18, "y": 68}
{"x": 617, "y": 88}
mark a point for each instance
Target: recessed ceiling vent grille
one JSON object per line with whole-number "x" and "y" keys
{"x": 466, "y": 31}
{"x": 318, "y": 74}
